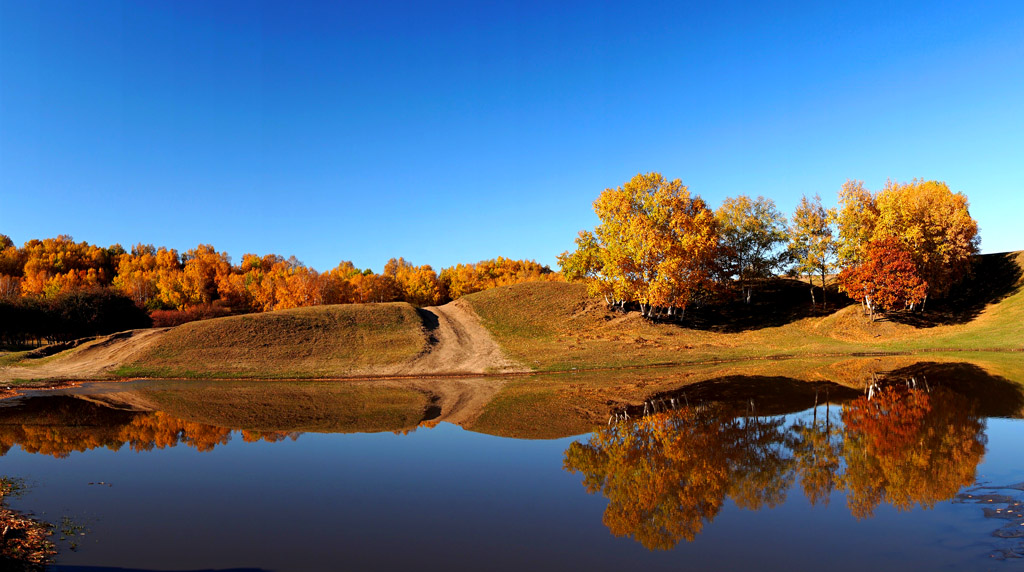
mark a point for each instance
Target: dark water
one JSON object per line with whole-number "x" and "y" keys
{"x": 753, "y": 474}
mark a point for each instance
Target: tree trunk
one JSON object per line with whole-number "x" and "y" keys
{"x": 823, "y": 300}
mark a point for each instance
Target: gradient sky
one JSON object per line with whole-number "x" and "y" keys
{"x": 454, "y": 132}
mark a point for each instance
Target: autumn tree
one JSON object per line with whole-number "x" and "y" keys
{"x": 811, "y": 242}
{"x": 202, "y": 268}
{"x": 56, "y": 265}
{"x": 419, "y": 284}
{"x": 886, "y": 280}
{"x": 935, "y": 225}
{"x": 658, "y": 245}
{"x": 751, "y": 232}
{"x": 586, "y": 264}
{"x": 462, "y": 279}
{"x": 856, "y": 220}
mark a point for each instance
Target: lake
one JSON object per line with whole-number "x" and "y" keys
{"x": 762, "y": 466}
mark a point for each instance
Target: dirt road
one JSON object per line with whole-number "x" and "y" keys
{"x": 457, "y": 343}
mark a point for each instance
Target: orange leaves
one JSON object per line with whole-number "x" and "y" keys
{"x": 931, "y": 222}
{"x": 667, "y": 475}
{"x": 909, "y": 447}
{"x": 887, "y": 279}
{"x": 461, "y": 279}
{"x": 934, "y": 224}
{"x": 420, "y": 285}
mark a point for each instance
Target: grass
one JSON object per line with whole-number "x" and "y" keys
{"x": 323, "y": 341}
{"x": 11, "y": 358}
{"x": 557, "y": 327}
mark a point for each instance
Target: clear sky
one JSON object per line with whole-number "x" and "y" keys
{"x": 454, "y": 132}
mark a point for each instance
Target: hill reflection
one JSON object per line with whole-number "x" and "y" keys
{"x": 667, "y": 475}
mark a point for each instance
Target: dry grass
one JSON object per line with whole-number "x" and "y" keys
{"x": 323, "y": 341}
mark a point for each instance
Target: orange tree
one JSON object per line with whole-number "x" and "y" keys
{"x": 887, "y": 280}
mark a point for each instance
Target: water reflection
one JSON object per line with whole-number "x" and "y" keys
{"x": 61, "y": 425}
{"x": 666, "y": 475}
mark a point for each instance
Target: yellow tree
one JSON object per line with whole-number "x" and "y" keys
{"x": 586, "y": 264}
{"x": 811, "y": 242}
{"x": 170, "y": 293}
{"x": 856, "y": 220}
{"x": 935, "y": 225}
{"x": 137, "y": 275}
{"x": 659, "y": 246}
{"x": 419, "y": 284}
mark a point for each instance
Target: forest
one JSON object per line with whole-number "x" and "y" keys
{"x": 57, "y": 289}
{"x": 662, "y": 250}
{"x": 657, "y": 248}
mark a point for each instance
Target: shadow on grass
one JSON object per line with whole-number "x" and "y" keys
{"x": 775, "y": 302}
{"x": 995, "y": 278}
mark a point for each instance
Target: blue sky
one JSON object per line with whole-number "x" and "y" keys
{"x": 454, "y": 132}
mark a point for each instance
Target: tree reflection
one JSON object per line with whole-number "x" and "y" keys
{"x": 909, "y": 447}
{"x": 138, "y": 431}
{"x": 667, "y": 475}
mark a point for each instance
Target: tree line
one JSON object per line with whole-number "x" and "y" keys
{"x": 660, "y": 248}
{"x": 39, "y": 280}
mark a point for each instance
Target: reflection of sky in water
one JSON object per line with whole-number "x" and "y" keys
{"x": 445, "y": 498}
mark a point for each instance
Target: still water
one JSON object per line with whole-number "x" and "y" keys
{"x": 759, "y": 472}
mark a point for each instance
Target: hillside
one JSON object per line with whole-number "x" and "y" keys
{"x": 556, "y": 326}
{"x": 326, "y": 341}
{"x": 539, "y": 326}
{"x": 322, "y": 342}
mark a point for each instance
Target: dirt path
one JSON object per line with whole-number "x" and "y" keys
{"x": 458, "y": 343}
{"x": 91, "y": 360}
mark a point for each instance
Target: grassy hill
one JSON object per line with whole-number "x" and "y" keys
{"x": 548, "y": 326}
{"x": 323, "y": 341}
{"x": 556, "y": 326}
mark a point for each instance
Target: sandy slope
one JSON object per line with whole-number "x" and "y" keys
{"x": 91, "y": 360}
